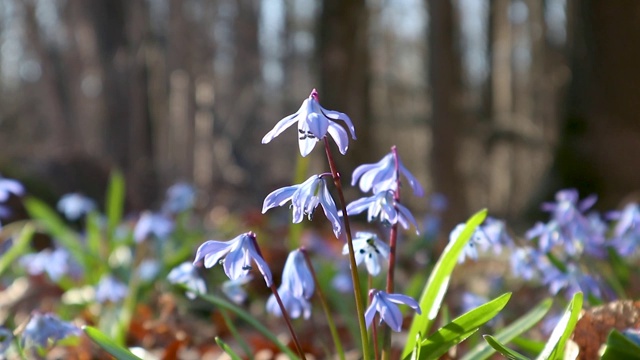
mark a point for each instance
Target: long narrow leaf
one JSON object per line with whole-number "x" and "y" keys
{"x": 438, "y": 282}
{"x": 114, "y": 202}
{"x": 554, "y": 349}
{"x": 18, "y": 248}
{"x": 505, "y": 351}
{"x": 620, "y": 347}
{"x": 461, "y": 328}
{"x": 228, "y": 350}
{"x": 529, "y": 345}
{"x": 119, "y": 352}
{"x": 505, "y": 335}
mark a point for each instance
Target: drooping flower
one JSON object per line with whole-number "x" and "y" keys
{"x": 382, "y": 176}
{"x": 56, "y": 263}
{"x": 386, "y": 207}
{"x": 233, "y": 289}
{"x": 296, "y": 306}
{"x": 370, "y": 249}
{"x": 110, "y": 289}
{"x": 626, "y": 232}
{"x": 304, "y": 199}
{"x": 314, "y": 122}
{"x": 45, "y": 329}
{"x": 385, "y": 304}
{"x": 186, "y": 274}
{"x": 75, "y": 205}
{"x": 237, "y": 253}
{"x": 296, "y": 275}
{"x": 152, "y": 224}
{"x": 8, "y": 187}
{"x": 180, "y": 197}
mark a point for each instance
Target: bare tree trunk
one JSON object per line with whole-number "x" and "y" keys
{"x": 344, "y": 70}
{"x": 444, "y": 73}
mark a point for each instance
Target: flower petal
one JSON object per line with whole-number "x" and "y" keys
{"x": 212, "y": 251}
{"x": 360, "y": 205}
{"x": 340, "y": 136}
{"x": 281, "y": 126}
{"x": 336, "y": 115}
{"x": 278, "y": 197}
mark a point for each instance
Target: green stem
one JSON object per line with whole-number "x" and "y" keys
{"x": 352, "y": 259}
{"x": 287, "y": 319}
{"x": 234, "y": 331}
{"x": 325, "y": 306}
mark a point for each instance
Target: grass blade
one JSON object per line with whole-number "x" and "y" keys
{"x": 438, "y": 281}
{"x": 508, "y": 333}
{"x": 228, "y": 350}
{"x": 119, "y": 352}
{"x": 19, "y": 247}
{"x": 505, "y": 351}
{"x": 461, "y": 328}
{"x": 554, "y": 349}
{"x": 114, "y": 202}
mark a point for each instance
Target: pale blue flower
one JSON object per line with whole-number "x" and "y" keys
{"x": 8, "y": 187}
{"x": 626, "y": 232}
{"x": 237, "y": 253}
{"x": 370, "y": 249}
{"x": 304, "y": 199}
{"x": 314, "y": 122}
{"x": 296, "y": 306}
{"x": 573, "y": 279}
{"x": 478, "y": 242}
{"x": 233, "y": 289}
{"x": 296, "y": 275}
{"x": 75, "y": 205}
{"x": 56, "y": 263}
{"x": 44, "y": 330}
{"x": 148, "y": 269}
{"x": 382, "y": 176}
{"x": 186, "y": 274}
{"x": 152, "y": 224}
{"x": 110, "y": 289}
{"x": 385, "y": 305}
{"x": 527, "y": 262}
{"x": 180, "y": 197}
{"x": 383, "y": 205}
{"x": 567, "y": 207}
{"x": 6, "y": 338}
{"x": 496, "y": 233}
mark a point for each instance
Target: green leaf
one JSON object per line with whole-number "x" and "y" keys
{"x": 19, "y": 247}
{"x": 119, "y": 352}
{"x": 461, "y": 328}
{"x": 438, "y": 281}
{"x": 49, "y": 221}
{"x": 620, "y": 347}
{"x": 508, "y": 333}
{"x": 505, "y": 351}
{"x": 528, "y": 345}
{"x": 554, "y": 349}
{"x": 229, "y": 351}
{"x": 114, "y": 202}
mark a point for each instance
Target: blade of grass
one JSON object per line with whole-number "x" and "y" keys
{"x": 236, "y": 335}
{"x": 528, "y": 345}
{"x": 505, "y": 351}
{"x": 438, "y": 282}
{"x": 508, "y": 333}
{"x": 554, "y": 349}
{"x": 227, "y": 349}
{"x": 119, "y": 352}
{"x": 620, "y": 347}
{"x": 114, "y": 203}
{"x": 19, "y": 247}
{"x": 461, "y": 328}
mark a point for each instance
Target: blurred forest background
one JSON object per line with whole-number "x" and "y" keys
{"x": 495, "y": 104}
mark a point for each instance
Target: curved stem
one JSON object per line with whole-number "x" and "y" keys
{"x": 352, "y": 259}
{"x": 285, "y": 316}
{"x": 325, "y": 307}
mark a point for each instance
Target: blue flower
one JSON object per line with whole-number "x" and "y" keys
{"x": 56, "y": 263}
{"x": 314, "y": 122}
{"x": 180, "y": 197}
{"x": 382, "y": 176}
{"x": 386, "y": 207}
{"x": 296, "y": 306}
{"x": 527, "y": 262}
{"x": 8, "y": 187}
{"x": 110, "y": 289}
{"x": 304, "y": 199}
{"x": 45, "y": 328}
{"x": 573, "y": 280}
{"x": 75, "y": 205}
{"x": 567, "y": 207}
{"x": 496, "y": 233}
{"x": 239, "y": 252}
{"x": 385, "y": 305}
{"x": 478, "y": 241}
{"x": 6, "y": 338}
{"x": 233, "y": 289}
{"x": 186, "y": 274}
{"x": 296, "y": 275}
{"x": 152, "y": 224}
{"x": 370, "y": 249}
{"x": 626, "y": 232}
